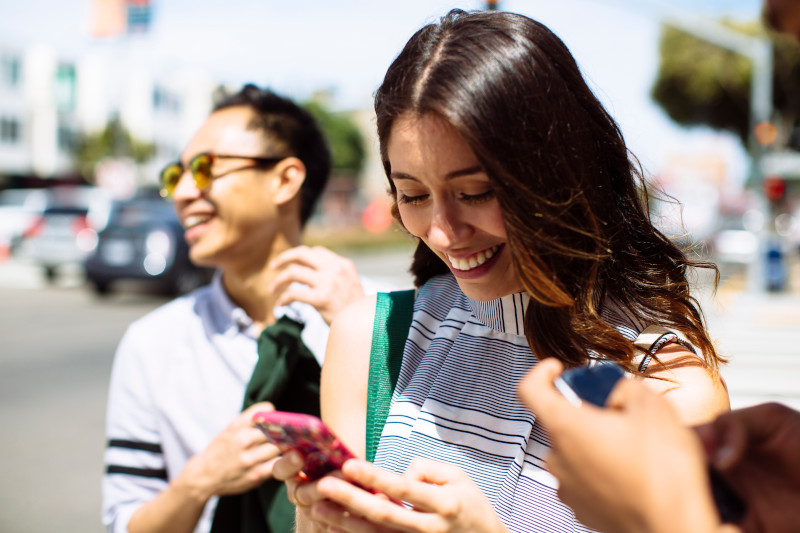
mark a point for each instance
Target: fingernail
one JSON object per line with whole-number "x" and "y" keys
{"x": 723, "y": 456}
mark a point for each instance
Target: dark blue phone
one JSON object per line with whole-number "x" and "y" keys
{"x": 594, "y": 383}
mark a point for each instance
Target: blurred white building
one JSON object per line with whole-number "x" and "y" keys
{"x": 47, "y": 101}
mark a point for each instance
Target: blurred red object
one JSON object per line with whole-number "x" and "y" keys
{"x": 774, "y": 188}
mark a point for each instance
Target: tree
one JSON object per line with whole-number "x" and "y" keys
{"x": 344, "y": 138}
{"x": 699, "y": 83}
{"x": 114, "y": 141}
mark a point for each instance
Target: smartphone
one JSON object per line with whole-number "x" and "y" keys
{"x": 322, "y": 451}
{"x": 589, "y": 383}
{"x": 595, "y": 383}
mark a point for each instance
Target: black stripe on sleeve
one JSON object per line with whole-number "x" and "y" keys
{"x": 135, "y": 445}
{"x": 142, "y": 472}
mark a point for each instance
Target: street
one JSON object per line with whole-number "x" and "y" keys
{"x": 56, "y": 348}
{"x": 58, "y": 343}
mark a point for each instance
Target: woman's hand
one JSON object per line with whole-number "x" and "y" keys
{"x": 442, "y": 498}
{"x": 301, "y": 492}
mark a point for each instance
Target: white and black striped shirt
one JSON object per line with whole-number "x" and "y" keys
{"x": 456, "y": 401}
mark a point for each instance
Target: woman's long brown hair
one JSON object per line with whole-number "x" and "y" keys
{"x": 574, "y": 202}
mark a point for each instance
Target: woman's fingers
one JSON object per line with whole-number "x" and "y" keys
{"x": 368, "y": 511}
{"x": 418, "y": 487}
{"x": 288, "y": 466}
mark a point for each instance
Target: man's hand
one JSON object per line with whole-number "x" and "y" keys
{"x": 238, "y": 459}
{"x": 628, "y": 467}
{"x": 331, "y": 281}
{"x": 758, "y": 450}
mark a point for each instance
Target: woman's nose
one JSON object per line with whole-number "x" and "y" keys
{"x": 448, "y": 229}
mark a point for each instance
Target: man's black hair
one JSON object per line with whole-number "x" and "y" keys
{"x": 289, "y": 130}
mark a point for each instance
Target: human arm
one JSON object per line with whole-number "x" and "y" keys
{"x": 325, "y": 280}
{"x": 343, "y": 392}
{"x": 758, "y": 450}
{"x": 146, "y": 453}
{"x": 666, "y": 488}
{"x": 443, "y": 496}
{"x": 685, "y": 381}
{"x": 237, "y": 460}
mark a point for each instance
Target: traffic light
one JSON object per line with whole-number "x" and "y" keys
{"x": 491, "y": 5}
{"x": 774, "y": 188}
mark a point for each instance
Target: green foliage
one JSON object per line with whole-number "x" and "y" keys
{"x": 344, "y": 137}
{"x": 114, "y": 141}
{"x": 699, "y": 83}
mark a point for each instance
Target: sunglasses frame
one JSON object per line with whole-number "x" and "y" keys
{"x": 203, "y": 181}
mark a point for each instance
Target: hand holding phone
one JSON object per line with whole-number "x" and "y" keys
{"x": 595, "y": 383}
{"x": 321, "y": 450}
{"x": 589, "y": 383}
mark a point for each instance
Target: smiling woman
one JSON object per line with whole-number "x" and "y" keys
{"x": 446, "y": 199}
{"x": 534, "y": 241}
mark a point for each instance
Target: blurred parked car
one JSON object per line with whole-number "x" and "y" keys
{"x": 66, "y": 231}
{"x": 143, "y": 240}
{"x": 19, "y": 209}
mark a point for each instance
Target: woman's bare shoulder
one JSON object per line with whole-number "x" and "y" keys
{"x": 698, "y": 394}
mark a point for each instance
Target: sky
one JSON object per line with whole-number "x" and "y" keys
{"x": 298, "y": 47}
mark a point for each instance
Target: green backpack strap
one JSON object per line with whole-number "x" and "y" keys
{"x": 389, "y": 333}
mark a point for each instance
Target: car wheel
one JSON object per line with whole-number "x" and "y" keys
{"x": 50, "y": 274}
{"x": 101, "y": 288}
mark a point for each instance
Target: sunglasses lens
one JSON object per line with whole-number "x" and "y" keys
{"x": 200, "y": 166}
{"x": 169, "y": 179}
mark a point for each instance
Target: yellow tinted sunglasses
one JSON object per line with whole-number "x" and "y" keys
{"x": 200, "y": 168}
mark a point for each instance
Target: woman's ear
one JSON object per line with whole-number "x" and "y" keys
{"x": 291, "y": 173}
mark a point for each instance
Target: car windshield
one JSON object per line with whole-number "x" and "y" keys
{"x": 33, "y": 199}
{"x": 138, "y": 213}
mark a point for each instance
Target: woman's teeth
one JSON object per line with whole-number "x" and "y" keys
{"x": 474, "y": 261}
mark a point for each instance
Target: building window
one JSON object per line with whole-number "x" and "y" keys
{"x": 9, "y": 130}
{"x": 66, "y": 138}
{"x": 164, "y": 100}
{"x": 10, "y": 71}
{"x": 65, "y": 87}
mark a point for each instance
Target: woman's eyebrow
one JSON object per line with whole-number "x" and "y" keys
{"x": 449, "y": 176}
{"x": 463, "y": 172}
{"x": 401, "y": 176}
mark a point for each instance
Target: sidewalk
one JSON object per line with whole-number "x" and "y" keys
{"x": 760, "y": 334}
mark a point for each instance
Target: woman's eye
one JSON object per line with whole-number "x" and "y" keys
{"x": 477, "y": 198}
{"x": 412, "y": 200}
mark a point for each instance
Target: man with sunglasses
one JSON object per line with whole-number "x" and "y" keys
{"x": 243, "y": 189}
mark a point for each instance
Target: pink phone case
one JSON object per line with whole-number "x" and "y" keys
{"x": 322, "y": 451}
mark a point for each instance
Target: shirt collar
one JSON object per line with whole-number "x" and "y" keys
{"x": 234, "y": 319}
{"x": 505, "y": 314}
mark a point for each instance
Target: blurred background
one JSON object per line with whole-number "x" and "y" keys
{"x": 97, "y": 95}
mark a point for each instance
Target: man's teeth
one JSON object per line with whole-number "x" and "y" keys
{"x": 474, "y": 261}
{"x": 195, "y": 220}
